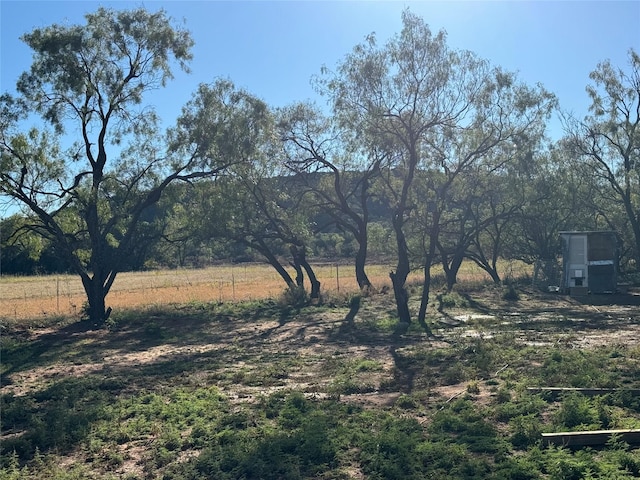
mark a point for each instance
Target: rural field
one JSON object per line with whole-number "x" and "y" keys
{"x": 194, "y": 387}
{"x": 51, "y": 295}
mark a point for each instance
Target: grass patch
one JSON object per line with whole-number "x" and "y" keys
{"x": 253, "y": 390}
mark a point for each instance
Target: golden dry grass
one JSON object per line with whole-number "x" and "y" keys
{"x": 43, "y": 296}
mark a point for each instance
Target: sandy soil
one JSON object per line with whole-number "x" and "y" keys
{"x": 316, "y": 337}
{"x": 549, "y": 319}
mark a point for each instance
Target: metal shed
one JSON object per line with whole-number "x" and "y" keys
{"x": 589, "y": 262}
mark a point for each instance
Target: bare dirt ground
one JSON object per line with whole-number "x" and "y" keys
{"x": 540, "y": 319}
{"x": 309, "y": 351}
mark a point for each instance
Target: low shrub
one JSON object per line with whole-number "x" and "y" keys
{"x": 509, "y": 292}
{"x": 296, "y": 297}
{"x": 451, "y": 299}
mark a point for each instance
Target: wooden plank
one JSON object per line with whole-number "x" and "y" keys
{"x": 589, "y": 438}
{"x": 555, "y": 392}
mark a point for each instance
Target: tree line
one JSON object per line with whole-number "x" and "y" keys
{"x": 425, "y": 154}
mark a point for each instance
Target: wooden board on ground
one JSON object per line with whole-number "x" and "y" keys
{"x": 590, "y": 438}
{"x": 554, "y": 392}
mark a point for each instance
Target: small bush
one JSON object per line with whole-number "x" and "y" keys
{"x": 526, "y": 405}
{"x": 296, "y": 297}
{"x": 576, "y": 410}
{"x": 469, "y": 425}
{"x": 366, "y": 365}
{"x": 525, "y": 431}
{"x": 473, "y": 388}
{"x": 451, "y": 300}
{"x": 391, "y": 450}
{"x": 503, "y": 395}
{"x": 350, "y": 386}
{"x": 406, "y": 402}
{"x": 509, "y": 293}
{"x": 454, "y": 374}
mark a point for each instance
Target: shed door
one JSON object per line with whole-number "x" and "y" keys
{"x": 578, "y": 261}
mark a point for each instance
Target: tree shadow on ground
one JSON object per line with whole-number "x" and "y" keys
{"x": 627, "y": 299}
{"x": 80, "y": 342}
{"x": 212, "y": 345}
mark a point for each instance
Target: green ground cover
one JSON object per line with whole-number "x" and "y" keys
{"x": 259, "y": 390}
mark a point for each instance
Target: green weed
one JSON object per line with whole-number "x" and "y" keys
{"x": 451, "y": 299}
{"x": 176, "y": 414}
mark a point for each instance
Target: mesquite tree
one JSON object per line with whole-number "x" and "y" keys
{"x": 608, "y": 140}
{"x": 93, "y": 200}
{"x": 466, "y": 162}
{"x": 396, "y": 97}
{"x": 333, "y": 172}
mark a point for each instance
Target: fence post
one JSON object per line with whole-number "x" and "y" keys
{"x": 233, "y": 285}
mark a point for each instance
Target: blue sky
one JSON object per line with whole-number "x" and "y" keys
{"x": 273, "y": 48}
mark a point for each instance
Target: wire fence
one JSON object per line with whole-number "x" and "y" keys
{"x": 29, "y": 297}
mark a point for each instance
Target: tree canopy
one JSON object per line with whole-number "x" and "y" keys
{"x": 423, "y": 152}
{"x": 92, "y": 200}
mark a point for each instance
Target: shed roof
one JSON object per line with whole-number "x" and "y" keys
{"x": 583, "y": 232}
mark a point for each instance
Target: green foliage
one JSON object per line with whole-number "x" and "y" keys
{"x": 469, "y": 426}
{"x": 58, "y": 417}
{"x": 385, "y": 98}
{"x": 451, "y": 299}
{"x": 299, "y": 445}
{"x": 577, "y": 368}
{"x": 43, "y": 466}
{"x": 473, "y": 388}
{"x": 383, "y": 324}
{"x": 523, "y": 405}
{"x": 333, "y": 245}
{"x": 510, "y": 293}
{"x": 611, "y": 128}
{"x": 525, "y": 430}
{"x": 351, "y": 376}
{"x": 290, "y": 417}
{"x": 296, "y": 297}
{"x": 576, "y": 411}
{"x": 407, "y": 402}
{"x": 391, "y": 450}
{"x": 24, "y": 252}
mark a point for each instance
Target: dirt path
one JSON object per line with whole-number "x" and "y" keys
{"x": 312, "y": 340}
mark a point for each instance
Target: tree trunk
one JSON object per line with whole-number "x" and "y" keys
{"x": 493, "y": 273}
{"x": 97, "y": 312}
{"x": 315, "y": 283}
{"x": 489, "y": 268}
{"x": 399, "y": 277}
{"x": 635, "y": 227}
{"x": 361, "y": 259}
{"x": 362, "y": 237}
{"x": 300, "y": 261}
{"x": 424, "y": 299}
{"x": 426, "y": 283}
{"x": 402, "y": 298}
{"x": 451, "y": 272}
{"x": 273, "y": 261}
{"x": 296, "y": 264}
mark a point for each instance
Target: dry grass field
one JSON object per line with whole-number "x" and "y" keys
{"x": 45, "y": 296}
{"x": 191, "y": 388}
{"x": 261, "y": 390}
